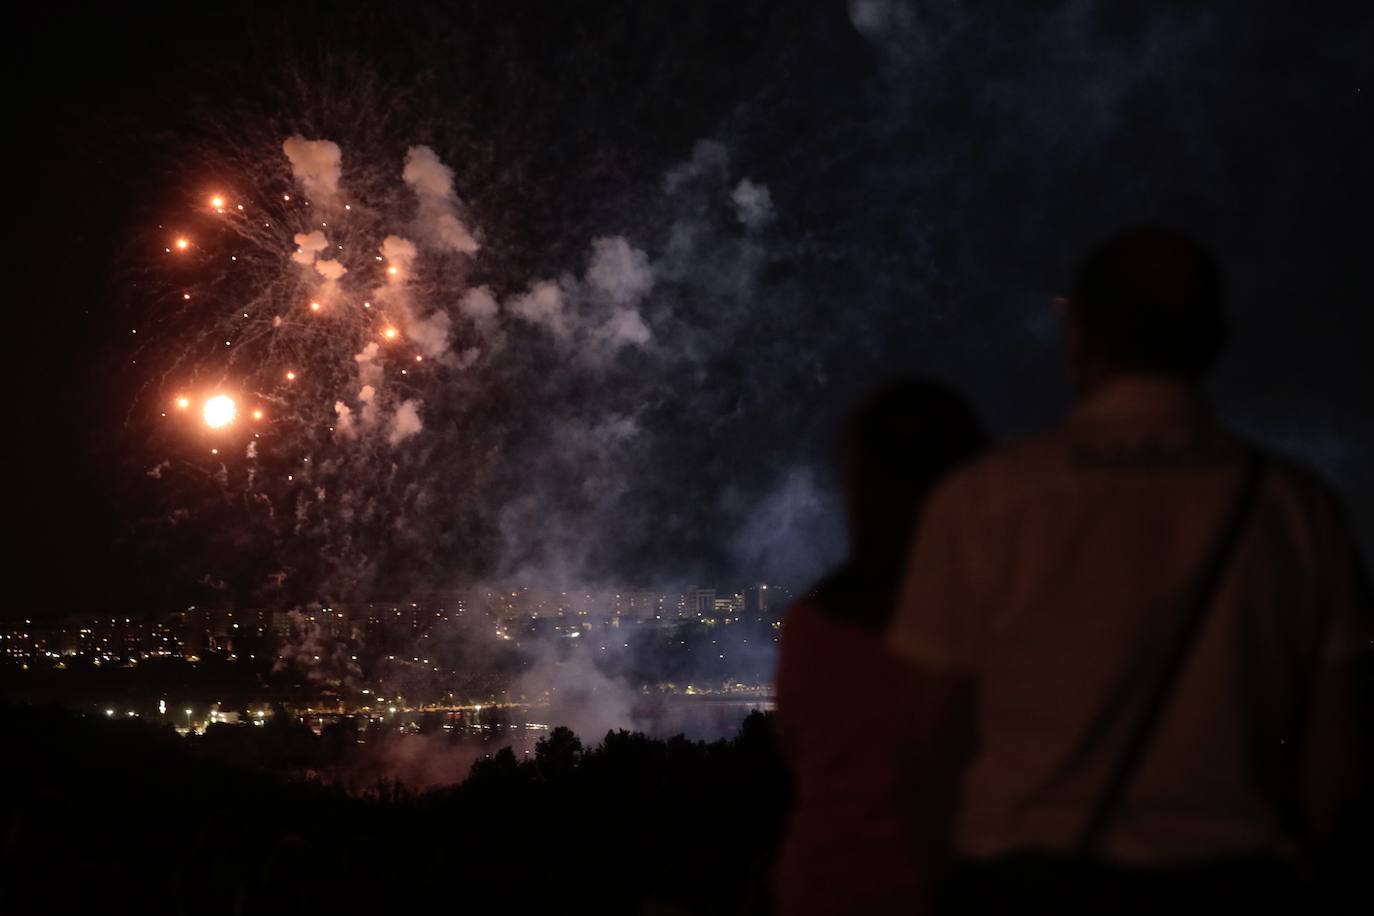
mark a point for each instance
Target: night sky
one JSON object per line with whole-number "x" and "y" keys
{"x": 933, "y": 171}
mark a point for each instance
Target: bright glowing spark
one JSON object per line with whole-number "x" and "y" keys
{"x": 219, "y": 410}
{"x": 314, "y": 306}
{"x": 183, "y": 244}
{"x": 257, "y": 415}
{"x": 393, "y": 270}
{"x": 217, "y": 202}
{"x": 389, "y": 333}
{"x": 290, "y": 375}
{"x": 367, "y": 305}
{"x": 186, "y": 295}
{"x": 183, "y": 403}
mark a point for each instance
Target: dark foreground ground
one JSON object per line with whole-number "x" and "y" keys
{"x": 119, "y": 816}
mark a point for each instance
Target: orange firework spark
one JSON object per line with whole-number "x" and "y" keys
{"x": 219, "y": 410}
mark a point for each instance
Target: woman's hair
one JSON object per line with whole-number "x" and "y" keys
{"x": 898, "y": 445}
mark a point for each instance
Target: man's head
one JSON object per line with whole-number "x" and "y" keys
{"x": 1148, "y": 301}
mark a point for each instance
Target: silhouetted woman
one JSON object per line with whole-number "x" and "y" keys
{"x": 838, "y": 690}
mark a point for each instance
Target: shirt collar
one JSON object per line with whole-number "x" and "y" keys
{"x": 1143, "y": 399}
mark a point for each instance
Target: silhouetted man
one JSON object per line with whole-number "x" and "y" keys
{"x": 1135, "y": 639}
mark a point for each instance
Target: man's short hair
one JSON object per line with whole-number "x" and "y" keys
{"x": 1150, "y": 300}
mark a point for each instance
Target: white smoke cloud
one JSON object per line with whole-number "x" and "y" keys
{"x": 625, "y": 327}
{"x": 405, "y": 422}
{"x": 480, "y": 307}
{"x": 369, "y": 370}
{"x": 619, "y": 271}
{"x": 543, "y": 305}
{"x": 479, "y": 304}
{"x": 432, "y": 182}
{"x": 316, "y": 165}
{"x": 793, "y": 530}
{"x": 398, "y": 252}
{"x": 708, "y": 157}
{"x": 578, "y": 694}
{"x": 344, "y": 425}
{"x": 452, "y": 234}
{"x": 426, "y": 174}
{"x": 466, "y": 358}
{"x": 753, "y": 204}
{"x": 597, "y": 315}
{"x": 308, "y": 245}
{"x": 367, "y": 396}
{"x": 323, "y": 658}
{"x": 877, "y": 20}
{"x": 430, "y": 335}
{"x": 330, "y": 270}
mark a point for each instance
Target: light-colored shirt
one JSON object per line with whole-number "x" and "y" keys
{"x": 1054, "y": 571}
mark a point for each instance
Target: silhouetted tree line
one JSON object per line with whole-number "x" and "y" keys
{"x": 103, "y": 815}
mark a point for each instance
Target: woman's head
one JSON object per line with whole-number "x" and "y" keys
{"x": 899, "y": 443}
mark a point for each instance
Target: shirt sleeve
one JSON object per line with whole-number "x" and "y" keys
{"x": 939, "y": 613}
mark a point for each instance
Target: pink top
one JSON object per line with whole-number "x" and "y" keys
{"x": 837, "y": 690}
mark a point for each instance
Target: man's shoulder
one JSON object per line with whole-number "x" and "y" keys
{"x": 1303, "y": 492}
{"x": 1302, "y": 479}
{"x": 1004, "y": 469}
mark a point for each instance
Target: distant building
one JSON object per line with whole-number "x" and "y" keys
{"x": 756, "y": 599}
{"x": 646, "y": 604}
{"x": 700, "y": 602}
{"x": 281, "y": 624}
{"x": 18, "y": 641}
